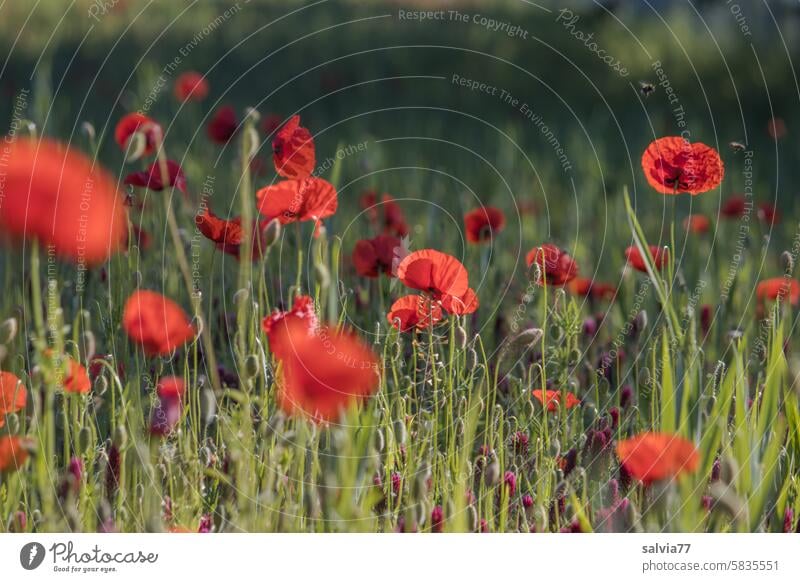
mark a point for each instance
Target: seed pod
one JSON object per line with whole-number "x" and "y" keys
{"x": 272, "y": 232}
{"x": 85, "y": 440}
{"x": 120, "y": 437}
{"x": 380, "y": 442}
{"x": 8, "y": 330}
{"x": 208, "y": 405}
{"x": 251, "y": 367}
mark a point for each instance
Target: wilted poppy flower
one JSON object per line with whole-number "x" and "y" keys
{"x": 227, "y": 234}
{"x": 461, "y": 305}
{"x": 697, "y": 224}
{"x": 779, "y": 289}
{"x": 734, "y": 207}
{"x": 324, "y": 372}
{"x": 223, "y": 125}
{"x": 651, "y": 456}
{"x": 191, "y": 86}
{"x": 768, "y": 214}
{"x": 672, "y": 165}
{"x": 275, "y": 324}
{"x": 62, "y": 198}
{"x": 590, "y": 288}
{"x": 298, "y": 200}
{"x": 434, "y": 272}
{"x": 76, "y": 380}
{"x": 151, "y": 178}
{"x": 552, "y": 398}
{"x": 372, "y": 257}
{"x": 14, "y": 452}
{"x": 776, "y": 128}
{"x": 13, "y": 395}
{"x": 414, "y": 312}
{"x": 156, "y": 323}
{"x": 483, "y": 224}
{"x": 557, "y": 267}
{"x": 659, "y": 255}
{"x": 293, "y": 150}
{"x": 136, "y": 123}
{"x": 386, "y": 214}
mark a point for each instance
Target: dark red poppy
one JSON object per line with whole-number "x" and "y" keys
{"x": 228, "y": 234}
{"x": 275, "y": 324}
{"x": 293, "y": 150}
{"x": 734, "y": 207}
{"x": 776, "y": 128}
{"x": 381, "y": 254}
{"x": 768, "y": 214}
{"x": 434, "y": 272}
{"x": 156, "y": 323}
{"x": 552, "y": 399}
{"x": 673, "y": 165}
{"x": 191, "y": 86}
{"x": 779, "y": 289}
{"x": 590, "y": 288}
{"x": 483, "y": 224}
{"x": 414, "y": 312}
{"x": 136, "y": 123}
{"x": 14, "y": 452}
{"x": 62, "y": 198}
{"x": 298, "y": 200}
{"x": 151, "y": 178}
{"x": 76, "y": 380}
{"x": 386, "y": 215}
{"x": 651, "y": 456}
{"x": 223, "y": 125}
{"x": 461, "y": 305}
{"x": 697, "y": 223}
{"x": 659, "y": 255}
{"x": 556, "y": 266}
{"x": 13, "y": 395}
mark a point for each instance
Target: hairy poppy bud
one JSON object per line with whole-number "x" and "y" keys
{"x": 272, "y": 232}
{"x": 8, "y": 330}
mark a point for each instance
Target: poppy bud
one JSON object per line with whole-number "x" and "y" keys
{"x": 272, "y": 232}
{"x": 625, "y": 397}
{"x": 437, "y": 519}
{"x": 639, "y": 323}
{"x": 8, "y": 330}
{"x": 728, "y": 469}
{"x": 85, "y": 440}
{"x": 12, "y": 421}
{"x": 491, "y": 474}
{"x": 120, "y": 437}
{"x": 251, "y": 367}
{"x": 461, "y": 336}
{"x": 380, "y": 442}
{"x": 87, "y": 346}
{"x": 88, "y": 129}
{"x": 208, "y": 405}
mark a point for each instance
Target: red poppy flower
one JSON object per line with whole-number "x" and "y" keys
{"x": 171, "y": 387}
{"x": 372, "y": 257}
{"x": 152, "y": 180}
{"x": 776, "y": 128}
{"x": 227, "y": 234}
{"x": 223, "y": 125}
{"x": 558, "y": 268}
{"x": 325, "y": 371}
{"x": 483, "y": 224}
{"x": 697, "y": 224}
{"x": 659, "y": 255}
{"x": 651, "y": 456}
{"x": 298, "y": 200}
{"x": 293, "y": 150}
{"x": 13, "y": 395}
{"x": 275, "y": 324}
{"x": 156, "y": 323}
{"x": 434, "y": 272}
{"x": 768, "y": 214}
{"x": 673, "y": 165}
{"x": 167, "y": 412}
{"x": 386, "y": 214}
{"x": 778, "y": 289}
{"x": 191, "y": 86}
{"x": 591, "y": 288}
{"x": 136, "y": 123}
{"x": 14, "y": 452}
{"x": 734, "y": 207}
{"x": 461, "y": 305}
{"x": 553, "y": 398}
{"x": 77, "y": 379}
{"x": 414, "y": 312}
{"x": 62, "y": 198}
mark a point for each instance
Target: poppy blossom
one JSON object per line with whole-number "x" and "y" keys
{"x": 776, "y": 128}
{"x": 76, "y": 380}
{"x": 697, "y": 224}
{"x": 64, "y": 199}
{"x": 14, "y": 452}
{"x": 434, "y": 272}
{"x": 768, "y": 214}
{"x": 298, "y": 200}
{"x": 414, "y": 312}
{"x": 274, "y": 325}
{"x": 778, "y": 289}
{"x": 673, "y": 165}
{"x": 156, "y": 323}
{"x": 167, "y": 412}
{"x": 223, "y": 125}
{"x": 651, "y": 456}
{"x": 228, "y": 234}
{"x": 483, "y": 224}
{"x": 136, "y": 123}
{"x": 590, "y": 288}
{"x": 325, "y": 371}
{"x": 552, "y": 399}
{"x": 152, "y": 179}
{"x": 13, "y": 395}
{"x": 372, "y": 257}
{"x": 461, "y": 305}
{"x": 659, "y": 255}
{"x": 293, "y": 150}
{"x": 735, "y": 207}
{"x": 557, "y": 267}
{"x": 191, "y": 86}
{"x": 386, "y": 214}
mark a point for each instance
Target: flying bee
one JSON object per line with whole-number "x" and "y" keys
{"x": 737, "y": 146}
{"x": 646, "y": 88}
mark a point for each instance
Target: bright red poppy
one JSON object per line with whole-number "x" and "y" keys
{"x": 275, "y": 324}
{"x": 734, "y": 207}
{"x": 651, "y": 456}
{"x": 552, "y": 398}
{"x": 385, "y": 214}
{"x": 768, "y": 214}
{"x": 156, "y": 323}
{"x": 64, "y": 199}
{"x": 483, "y": 224}
{"x": 227, "y": 234}
{"x": 223, "y": 125}
{"x": 151, "y": 178}
{"x": 298, "y": 200}
{"x": 190, "y": 86}
{"x": 697, "y": 223}
{"x": 171, "y": 387}
{"x": 14, "y": 452}
{"x": 13, "y": 395}
{"x": 461, "y": 305}
{"x": 324, "y": 372}
{"x": 434, "y": 272}
{"x": 673, "y": 165}
{"x": 414, "y": 312}
{"x": 590, "y": 288}
{"x": 659, "y": 255}
{"x": 779, "y": 289}
{"x": 557, "y": 267}
{"x": 136, "y": 123}
{"x": 293, "y": 150}
{"x": 76, "y": 380}
{"x": 381, "y": 254}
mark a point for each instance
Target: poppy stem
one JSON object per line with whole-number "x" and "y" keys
{"x": 250, "y": 144}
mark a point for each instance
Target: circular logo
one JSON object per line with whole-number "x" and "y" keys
{"x": 31, "y": 555}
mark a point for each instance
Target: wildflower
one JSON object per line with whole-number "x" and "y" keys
{"x": 133, "y": 123}
{"x": 298, "y": 200}
{"x": 14, "y": 452}
{"x": 556, "y": 266}
{"x": 302, "y": 311}
{"x": 228, "y": 234}
{"x": 553, "y": 399}
{"x": 13, "y": 395}
{"x": 734, "y": 207}
{"x": 152, "y": 178}
{"x": 768, "y": 214}
{"x": 520, "y": 440}
{"x": 414, "y": 312}
{"x": 190, "y": 86}
{"x": 510, "y": 482}
{"x": 659, "y": 255}
{"x": 651, "y": 456}
{"x": 697, "y": 224}
{"x": 672, "y": 165}
{"x": 434, "y": 272}
{"x": 77, "y": 379}
{"x": 156, "y": 323}
{"x": 372, "y": 257}
{"x": 437, "y": 519}
{"x": 779, "y": 288}
{"x": 293, "y": 150}
{"x": 223, "y": 125}
{"x": 590, "y": 288}
{"x": 483, "y": 224}
{"x": 386, "y": 214}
